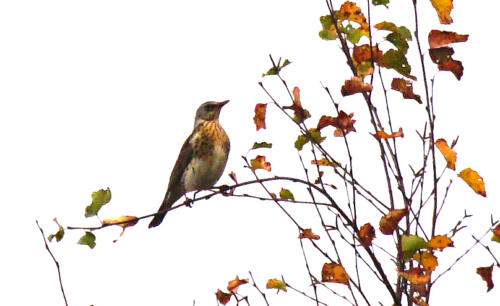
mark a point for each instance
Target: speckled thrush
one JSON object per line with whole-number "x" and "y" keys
{"x": 202, "y": 158}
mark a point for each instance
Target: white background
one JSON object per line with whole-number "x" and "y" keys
{"x": 103, "y": 93}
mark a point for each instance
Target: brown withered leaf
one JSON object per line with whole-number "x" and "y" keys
{"x": 442, "y": 57}
{"x": 389, "y": 223}
{"x": 260, "y": 116}
{"x": 222, "y": 297}
{"x": 443, "y": 9}
{"x": 366, "y": 234}
{"x": 442, "y": 38}
{"x": 232, "y": 175}
{"x": 362, "y": 53}
{"x": 334, "y": 273}
{"x": 440, "y": 242}
{"x": 474, "y": 180}
{"x": 406, "y": 88}
{"x": 343, "y": 123}
{"x": 448, "y": 153}
{"x": 318, "y": 179}
{"x": 234, "y": 284}
{"x": 486, "y": 275}
{"x": 307, "y": 233}
{"x": 300, "y": 113}
{"x": 260, "y": 162}
{"x": 381, "y": 134}
{"x": 355, "y": 85}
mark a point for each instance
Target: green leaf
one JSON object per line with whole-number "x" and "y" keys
{"x": 411, "y": 244}
{"x": 301, "y": 141}
{"x": 277, "y": 69}
{"x": 286, "y": 194}
{"x": 258, "y": 145}
{"x": 99, "y": 199}
{"x": 396, "y": 60}
{"x": 398, "y": 37}
{"x": 328, "y": 32}
{"x": 380, "y": 2}
{"x": 316, "y": 135}
{"x": 87, "y": 239}
{"x": 352, "y": 34}
{"x": 59, "y": 235}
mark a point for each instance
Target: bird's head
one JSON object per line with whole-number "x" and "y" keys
{"x": 209, "y": 110}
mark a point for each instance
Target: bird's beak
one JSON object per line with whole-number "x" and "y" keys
{"x": 221, "y": 104}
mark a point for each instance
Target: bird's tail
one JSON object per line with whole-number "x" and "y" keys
{"x": 168, "y": 201}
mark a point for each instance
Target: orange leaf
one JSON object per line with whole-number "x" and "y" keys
{"x": 441, "y": 38}
{"x": 389, "y": 222}
{"x": 233, "y": 285}
{"x": 406, "y": 88}
{"x": 442, "y": 57}
{"x": 223, "y": 297}
{"x": 334, "y": 273}
{"x": 260, "y": 116}
{"x": 324, "y": 162}
{"x": 448, "y": 153}
{"x": 342, "y": 122}
{"x": 382, "y": 134}
{"x": 440, "y": 242}
{"x": 260, "y": 162}
{"x": 416, "y": 276}
{"x": 486, "y": 275}
{"x": 300, "y": 113}
{"x": 355, "y": 85}
{"x": 366, "y": 234}
{"x": 362, "y": 53}
{"x": 427, "y": 260}
{"x": 307, "y": 233}
{"x": 474, "y": 180}
{"x": 276, "y": 284}
{"x": 443, "y": 9}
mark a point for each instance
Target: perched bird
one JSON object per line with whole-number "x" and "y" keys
{"x": 202, "y": 158}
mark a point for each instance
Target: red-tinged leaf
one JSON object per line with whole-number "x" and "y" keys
{"x": 486, "y": 275}
{"x": 334, "y": 273}
{"x": 234, "y": 284}
{"x": 442, "y": 38}
{"x": 384, "y": 135}
{"x": 260, "y": 116}
{"x": 363, "y": 54}
{"x": 474, "y": 180}
{"x": 389, "y": 222}
{"x": 300, "y": 114}
{"x": 406, "y": 88}
{"x": 355, "y": 85}
{"x": 442, "y": 57}
{"x": 443, "y": 9}
{"x": 260, "y": 162}
{"x": 223, "y": 297}
{"x": 496, "y": 233}
{"x": 343, "y": 123}
{"x": 448, "y": 153}
{"x": 308, "y": 234}
{"x": 366, "y": 234}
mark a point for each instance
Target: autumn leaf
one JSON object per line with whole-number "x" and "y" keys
{"x": 442, "y": 38}
{"x": 222, "y": 297}
{"x": 276, "y": 68}
{"x": 442, "y": 57}
{"x": 314, "y": 135}
{"x": 496, "y": 233}
{"x": 380, "y": 2}
{"x": 381, "y": 134}
{"x": 334, "y": 273}
{"x": 324, "y": 162}
{"x": 99, "y": 199}
{"x": 443, "y": 9}
{"x": 406, "y": 88}
{"x": 260, "y": 116}
{"x": 410, "y": 244}
{"x": 355, "y": 85}
{"x": 259, "y": 145}
{"x": 398, "y": 36}
{"x": 362, "y": 53}
{"x": 348, "y": 11}
{"x": 286, "y": 194}
{"x": 232, "y": 175}
{"x": 416, "y": 276}
{"x": 366, "y": 234}
{"x": 300, "y": 114}
{"x": 276, "y": 284}
{"x": 123, "y": 221}
{"x": 234, "y": 284}
{"x": 59, "y": 234}
{"x": 343, "y": 123}
{"x": 88, "y": 239}
{"x": 474, "y": 180}
{"x": 308, "y": 234}
{"x": 440, "y": 242}
{"x": 427, "y": 260}
{"x": 486, "y": 275}
{"x": 260, "y": 162}
{"x": 389, "y": 223}
{"x": 396, "y": 59}
{"x": 448, "y": 153}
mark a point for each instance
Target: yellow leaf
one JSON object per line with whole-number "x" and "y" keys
{"x": 443, "y": 9}
{"x": 474, "y": 180}
{"x": 276, "y": 284}
{"x": 427, "y": 260}
{"x": 260, "y": 162}
{"x": 334, "y": 273}
{"x": 440, "y": 242}
{"x": 448, "y": 153}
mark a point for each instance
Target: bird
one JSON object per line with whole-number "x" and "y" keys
{"x": 202, "y": 158}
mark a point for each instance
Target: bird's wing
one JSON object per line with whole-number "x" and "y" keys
{"x": 185, "y": 157}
